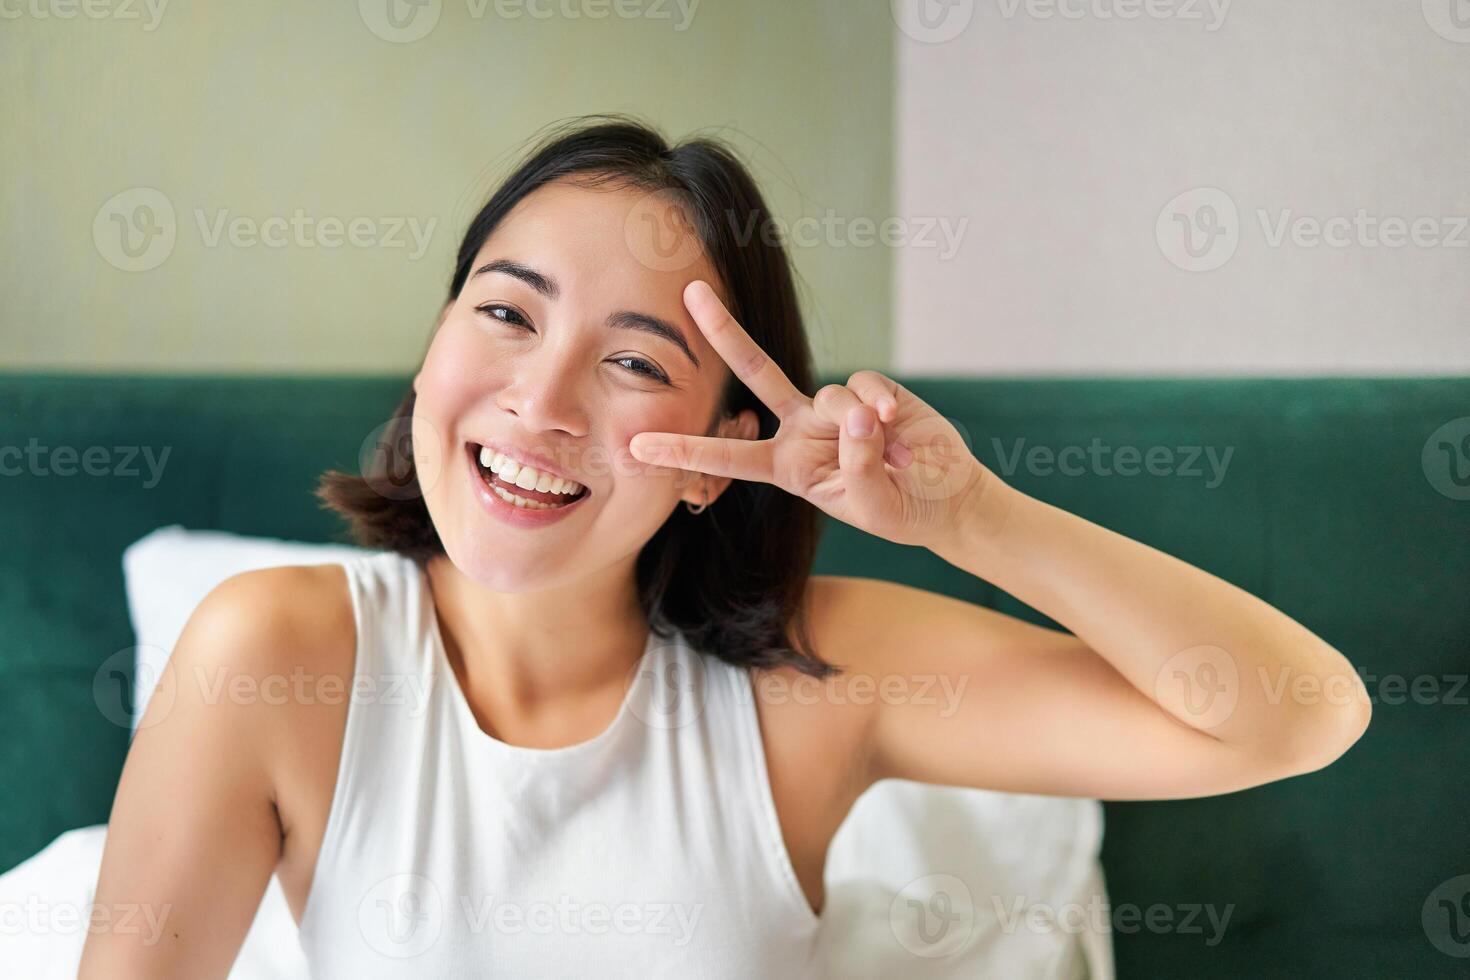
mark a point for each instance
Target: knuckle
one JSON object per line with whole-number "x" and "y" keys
{"x": 755, "y": 362}
{"x": 829, "y": 393}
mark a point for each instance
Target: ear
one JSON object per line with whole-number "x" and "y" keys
{"x": 746, "y": 425}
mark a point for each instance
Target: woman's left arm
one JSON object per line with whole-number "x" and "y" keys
{"x": 1172, "y": 682}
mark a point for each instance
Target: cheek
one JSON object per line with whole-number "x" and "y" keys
{"x": 655, "y": 478}
{"x": 456, "y": 371}
{"x": 452, "y": 348}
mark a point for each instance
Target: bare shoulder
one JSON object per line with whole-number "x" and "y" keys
{"x": 295, "y": 608}
{"x": 270, "y": 645}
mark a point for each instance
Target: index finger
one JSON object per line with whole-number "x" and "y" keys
{"x": 744, "y": 356}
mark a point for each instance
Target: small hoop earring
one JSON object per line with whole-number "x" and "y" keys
{"x": 696, "y": 510}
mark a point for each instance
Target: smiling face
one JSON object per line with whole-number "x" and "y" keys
{"x": 569, "y": 337}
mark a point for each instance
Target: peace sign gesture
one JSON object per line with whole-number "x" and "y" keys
{"x": 869, "y": 453}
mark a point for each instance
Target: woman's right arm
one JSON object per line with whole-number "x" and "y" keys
{"x": 194, "y": 835}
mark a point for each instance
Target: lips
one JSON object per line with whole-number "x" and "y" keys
{"x": 556, "y": 494}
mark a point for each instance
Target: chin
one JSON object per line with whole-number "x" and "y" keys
{"x": 487, "y": 563}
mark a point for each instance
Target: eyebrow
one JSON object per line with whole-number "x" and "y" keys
{"x": 630, "y": 320}
{"x": 623, "y": 319}
{"x": 544, "y": 285}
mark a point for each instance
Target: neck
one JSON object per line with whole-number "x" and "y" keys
{"x": 520, "y": 654}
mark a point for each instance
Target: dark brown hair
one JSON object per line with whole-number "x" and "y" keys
{"x": 732, "y": 579}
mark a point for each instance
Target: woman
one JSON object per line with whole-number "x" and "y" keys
{"x": 632, "y": 727}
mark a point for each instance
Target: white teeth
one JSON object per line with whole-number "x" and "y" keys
{"x": 520, "y": 501}
{"x": 525, "y": 477}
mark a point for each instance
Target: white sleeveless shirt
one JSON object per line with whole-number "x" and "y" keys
{"x": 650, "y": 850}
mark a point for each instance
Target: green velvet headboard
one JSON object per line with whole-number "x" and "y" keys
{"x": 1330, "y": 507}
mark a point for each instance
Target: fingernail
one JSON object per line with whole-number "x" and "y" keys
{"x": 886, "y": 405}
{"x": 900, "y": 455}
{"x": 859, "y": 423}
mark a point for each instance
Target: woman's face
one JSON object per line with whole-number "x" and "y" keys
{"x": 568, "y": 338}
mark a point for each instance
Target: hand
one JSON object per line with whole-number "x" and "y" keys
{"x": 908, "y": 480}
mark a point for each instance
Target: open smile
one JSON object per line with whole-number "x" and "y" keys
{"x": 509, "y": 486}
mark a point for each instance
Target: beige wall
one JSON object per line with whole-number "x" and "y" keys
{"x": 1074, "y": 143}
{"x": 258, "y": 111}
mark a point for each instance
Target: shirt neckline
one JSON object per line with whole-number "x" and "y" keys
{"x": 466, "y": 716}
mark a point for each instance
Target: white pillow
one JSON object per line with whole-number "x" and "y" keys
{"x": 168, "y": 572}
{"x": 941, "y": 881}
{"x": 922, "y": 881}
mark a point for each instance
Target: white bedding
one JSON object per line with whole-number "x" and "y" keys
{"x": 922, "y": 881}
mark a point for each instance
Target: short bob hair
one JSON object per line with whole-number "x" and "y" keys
{"x": 731, "y": 579}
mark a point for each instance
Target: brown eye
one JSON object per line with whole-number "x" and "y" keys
{"x": 503, "y": 313}
{"x": 648, "y": 370}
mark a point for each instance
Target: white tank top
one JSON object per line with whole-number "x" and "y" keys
{"x": 650, "y": 850}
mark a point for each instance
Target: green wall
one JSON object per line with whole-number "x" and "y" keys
{"x": 305, "y": 113}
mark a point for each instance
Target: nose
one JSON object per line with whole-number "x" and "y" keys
{"x": 544, "y": 391}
